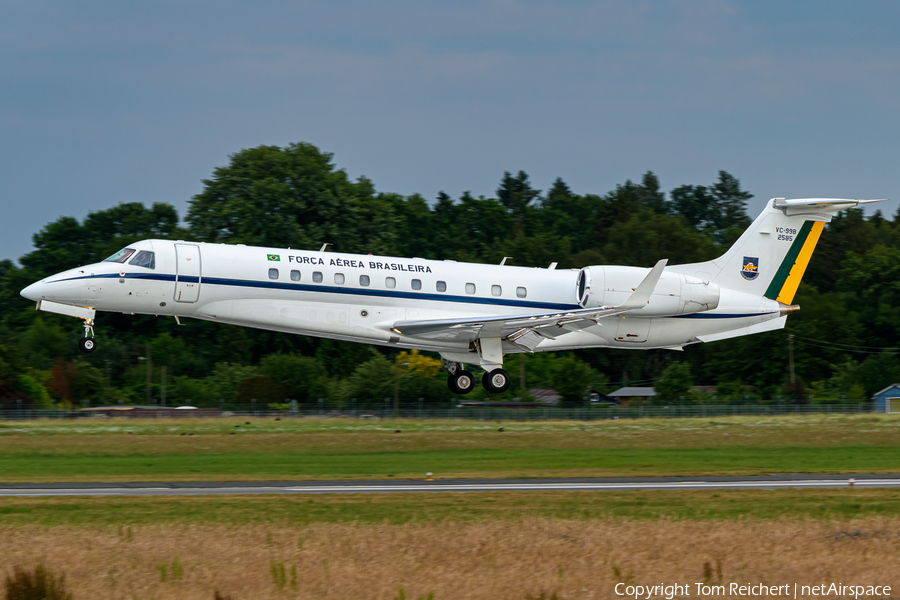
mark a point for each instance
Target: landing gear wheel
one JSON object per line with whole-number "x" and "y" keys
{"x": 496, "y": 381}
{"x": 461, "y": 382}
{"x": 86, "y": 345}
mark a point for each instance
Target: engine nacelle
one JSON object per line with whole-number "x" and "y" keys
{"x": 675, "y": 294}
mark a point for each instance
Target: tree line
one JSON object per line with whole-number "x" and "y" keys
{"x": 846, "y": 337}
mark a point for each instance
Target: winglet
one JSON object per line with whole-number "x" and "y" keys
{"x": 641, "y": 295}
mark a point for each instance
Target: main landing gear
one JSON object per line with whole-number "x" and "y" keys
{"x": 87, "y": 343}
{"x": 496, "y": 381}
{"x": 463, "y": 382}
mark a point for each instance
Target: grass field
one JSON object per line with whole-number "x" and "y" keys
{"x": 527, "y": 558}
{"x": 492, "y": 545}
{"x": 248, "y": 449}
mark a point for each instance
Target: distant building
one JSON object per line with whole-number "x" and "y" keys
{"x": 599, "y": 398}
{"x": 545, "y": 395}
{"x": 709, "y": 390}
{"x": 551, "y": 396}
{"x": 628, "y": 394}
{"x": 888, "y": 399}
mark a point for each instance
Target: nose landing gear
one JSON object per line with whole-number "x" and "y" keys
{"x": 87, "y": 343}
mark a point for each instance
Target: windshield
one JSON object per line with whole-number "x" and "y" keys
{"x": 121, "y": 256}
{"x": 144, "y": 258}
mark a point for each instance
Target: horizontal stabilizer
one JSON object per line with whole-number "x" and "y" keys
{"x": 771, "y": 256}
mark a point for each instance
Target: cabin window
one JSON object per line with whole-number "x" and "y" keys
{"x": 521, "y": 292}
{"x": 364, "y": 280}
{"x": 390, "y": 283}
{"x": 295, "y": 275}
{"x": 144, "y": 258}
{"x": 470, "y": 288}
{"x": 317, "y": 276}
{"x": 496, "y": 290}
{"x": 339, "y": 278}
{"x": 121, "y": 256}
{"x": 273, "y": 273}
{"x": 417, "y": 284}
{"x": 441, "y": 286}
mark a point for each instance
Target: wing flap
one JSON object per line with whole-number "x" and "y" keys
{"x": 517, "y": 328}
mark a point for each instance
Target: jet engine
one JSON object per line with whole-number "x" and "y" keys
{"x": 675, "y": 294}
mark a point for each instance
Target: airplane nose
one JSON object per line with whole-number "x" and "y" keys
{"x": 33, "y": 291}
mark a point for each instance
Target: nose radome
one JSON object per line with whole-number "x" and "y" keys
{"x": 33, "y": 291}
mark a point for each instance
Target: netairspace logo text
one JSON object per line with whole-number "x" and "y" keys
{"x": 702, "y": 590}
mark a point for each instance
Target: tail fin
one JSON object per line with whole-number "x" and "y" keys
{"x": 769, "y": 259}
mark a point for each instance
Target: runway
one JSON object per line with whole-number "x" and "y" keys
{"x": 230, "y": 488}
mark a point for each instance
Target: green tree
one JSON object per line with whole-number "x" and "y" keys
{"x": 647, "y": 237}
{"x": 18, "y": 389}
{"x": 371, "y": 382}
{"x": 731, "y": 201}
{"x": 879, "y": 371}
{"x": 674, "y": 384}
{"x": 290, "y": 197}
{"x": 515, "y": 193}
{"x": 570, "y": 380}
{"x": 301, "y": 377}
{"x": 88, "y": 385}
{"x": 43, "y": 342}
{"x": 715, "y": 209}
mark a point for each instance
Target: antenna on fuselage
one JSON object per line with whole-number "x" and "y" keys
{"x": 325, "y": 245}
{"x": 552, "y": 266}
{"x": 503, "y": 262}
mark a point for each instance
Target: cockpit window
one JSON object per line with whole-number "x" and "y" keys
{"x": 121, "y": 256}
{"x": 144, "y": 258}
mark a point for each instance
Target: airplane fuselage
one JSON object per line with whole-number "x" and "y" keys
{"x": 360, "y": 297}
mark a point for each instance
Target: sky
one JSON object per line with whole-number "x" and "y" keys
{"x": 108, "y": 101}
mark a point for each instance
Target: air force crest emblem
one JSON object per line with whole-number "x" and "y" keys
{"x": 750, "y": 268}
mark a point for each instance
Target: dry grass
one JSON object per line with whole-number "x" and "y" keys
{"x": 492, "y": 560}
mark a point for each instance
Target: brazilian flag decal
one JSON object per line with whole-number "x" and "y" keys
{"x": 273, "y": 257}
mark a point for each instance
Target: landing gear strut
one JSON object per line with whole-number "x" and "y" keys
{"x": 87, "y": 343}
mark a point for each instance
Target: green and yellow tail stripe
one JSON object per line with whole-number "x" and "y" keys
{"x": 787, "y": 279}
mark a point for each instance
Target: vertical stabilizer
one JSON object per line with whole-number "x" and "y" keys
{"x": 769, "y": 259}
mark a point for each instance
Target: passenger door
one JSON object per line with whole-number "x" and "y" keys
{"x": 187, "y": 272}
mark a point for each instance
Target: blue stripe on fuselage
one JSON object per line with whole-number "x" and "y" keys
{"x": 323, "y": 289}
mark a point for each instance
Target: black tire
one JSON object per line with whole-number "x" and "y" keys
{"x": 87, "y": 345}
{"x": 496, "y": 381}
{"x": 451, "y": 383}
{"x": 461, "y": 382}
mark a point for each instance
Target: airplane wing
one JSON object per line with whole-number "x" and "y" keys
{"x": 528, "y": 330}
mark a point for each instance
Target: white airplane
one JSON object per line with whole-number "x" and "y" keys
{"x": 469, "y": 313}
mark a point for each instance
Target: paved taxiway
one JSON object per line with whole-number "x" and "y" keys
{"x": 768, "y": 482}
